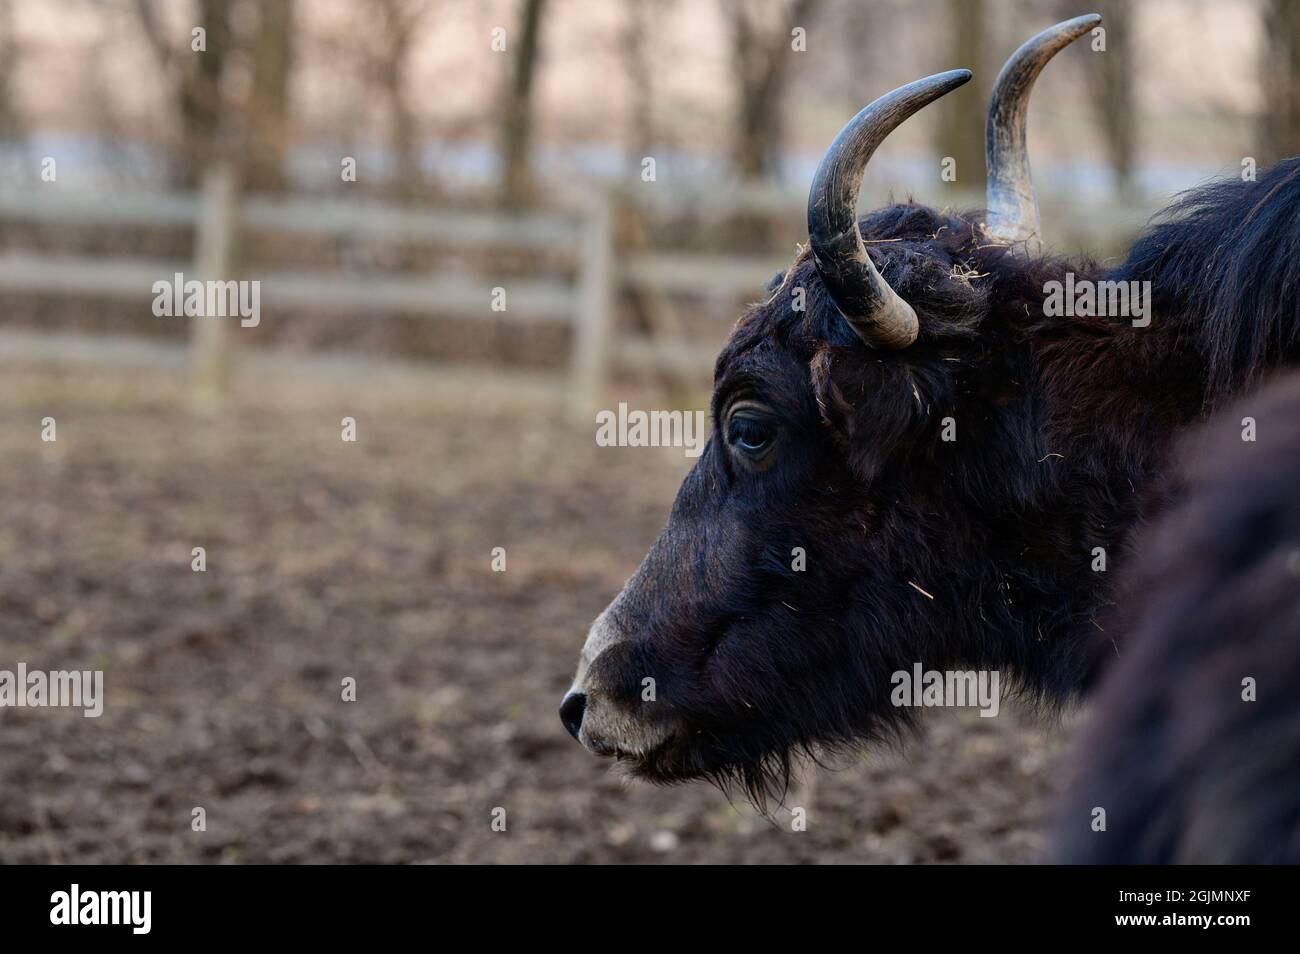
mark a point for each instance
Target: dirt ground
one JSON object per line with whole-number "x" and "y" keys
{"x": 371, "y": 560}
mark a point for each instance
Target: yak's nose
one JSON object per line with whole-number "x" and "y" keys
{"x": 571, "y": 710}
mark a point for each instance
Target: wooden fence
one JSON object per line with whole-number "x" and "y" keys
{"x": 580, "y": 291}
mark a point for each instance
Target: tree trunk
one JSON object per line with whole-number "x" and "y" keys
{"x": 516, "y": 129}
{"x": 1280, "y": 78}
{"x": 640, "y": 80}
{"x": 1111, "y": 86}
{"x": 962, "y": 112}
{"x": 200, "y": 95}
{"x": 11, "y": 125}
{"x": 400, "y": 18}
{"x": 761, "y": 64}
{"x": 272, "y": 65}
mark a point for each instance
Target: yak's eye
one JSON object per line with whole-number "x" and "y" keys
{"x": 749, "y": 434}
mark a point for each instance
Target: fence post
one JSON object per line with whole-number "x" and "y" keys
{"x": 214, "y": 242}
{"x": 594, "y": 318}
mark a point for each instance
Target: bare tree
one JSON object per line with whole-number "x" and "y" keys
{"x": 11, "y": 124}
{"x": 640, "y": 81}
{"x": 398, "y": 24}
{"x": 761, "y": 62}
{"x": 516, "y": 121}
{"x": 1280, "y": 77}
{"x": 269, "y": 108}
{"x": 961, "y": 112}
{"x": 1110, "y": 87}
{"x": 196, "y": 79}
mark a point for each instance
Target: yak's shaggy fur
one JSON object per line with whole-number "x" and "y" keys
{"x": 1185, "y": 768}
{"x": 973, "y": 553}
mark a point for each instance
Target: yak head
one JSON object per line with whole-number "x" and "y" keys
{"x": 863, "y": 501}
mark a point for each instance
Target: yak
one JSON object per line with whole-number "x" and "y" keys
{"x": 1193, "y": 752}
{"x": 915, "y": 461}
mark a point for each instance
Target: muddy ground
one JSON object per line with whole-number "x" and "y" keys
{"x": 372, "y": 560}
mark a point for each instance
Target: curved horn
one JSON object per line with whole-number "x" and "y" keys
{"x": 871, "y": 307}
{"x": 1012, "y": 207}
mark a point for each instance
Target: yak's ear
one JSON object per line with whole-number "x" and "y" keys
{"x": 775, "y": 281}
{"x": 870, "y": 431}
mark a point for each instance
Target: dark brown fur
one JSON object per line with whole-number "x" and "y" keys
{"x": 976, "y": 553}
{"x": 1186, "y": 768}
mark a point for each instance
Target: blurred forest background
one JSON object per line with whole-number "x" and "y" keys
{"x": 691, "y": 127}
{"x": 585, "y": 90}
{"x": 496, "y": 145}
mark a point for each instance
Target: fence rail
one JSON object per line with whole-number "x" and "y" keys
{"x": 577, "y": 283}
{"x": 577, "y": 287}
